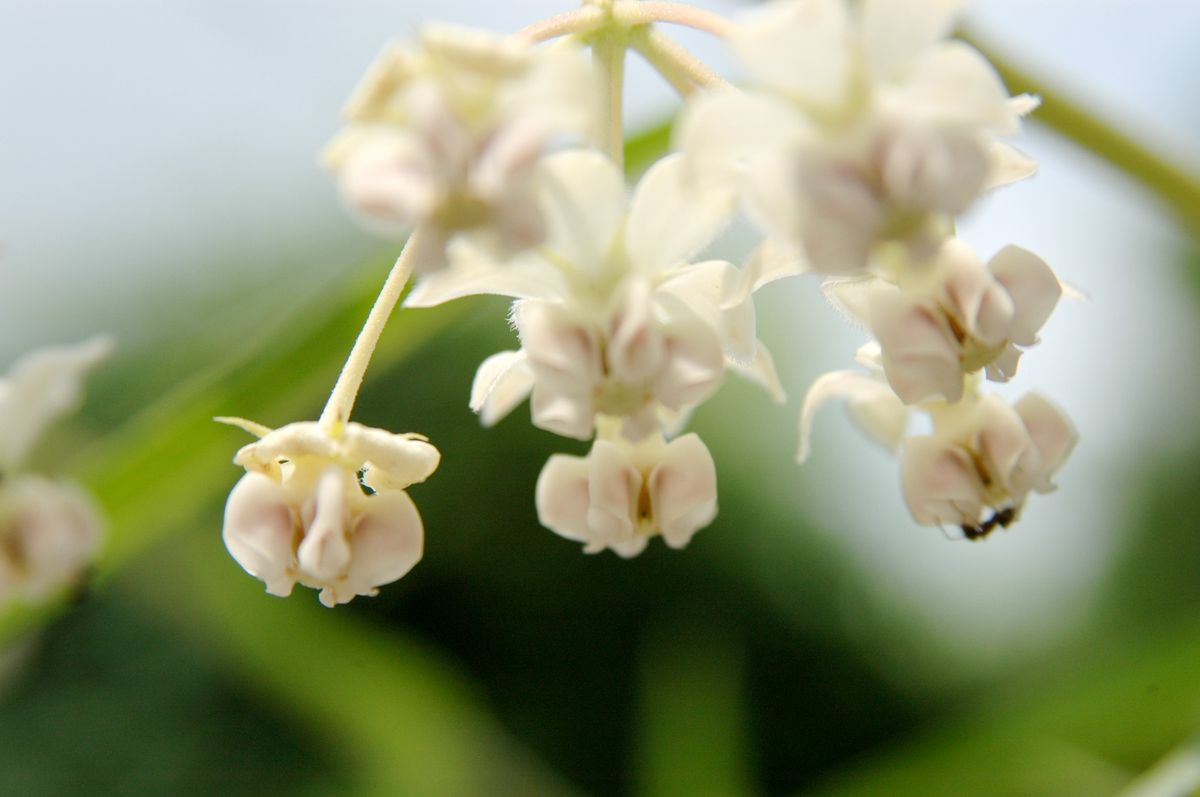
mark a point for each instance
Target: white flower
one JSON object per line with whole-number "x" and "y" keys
{"x": 49, "y": 532}
{"x": 301, "y": 514}
{"x": 984, "y": 454}
{"x": 622, "y": 494}
{"x": 615, "y": 319}
{"x": 449, "y": 135}
{"x": 959, "y": 317}
{"x": 862, "y": 125}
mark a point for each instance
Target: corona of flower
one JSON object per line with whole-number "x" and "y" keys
{"x": 327, "y": 508}
{"x": 448, "y": 135}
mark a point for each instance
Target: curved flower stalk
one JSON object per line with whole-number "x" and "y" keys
{"x": 622, "y": 494}
{"x": 954, "y": 318}
{"x": 616, "y": 320}
{"x": 326, "y": 507}
{"x": 49, "y": 531}
{"x": 862, "y": 125}
{"x": 447, "y": 135}
{"x": 981, "y": 461}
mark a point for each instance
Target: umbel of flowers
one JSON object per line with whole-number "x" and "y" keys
{"x": 860, "y": 133}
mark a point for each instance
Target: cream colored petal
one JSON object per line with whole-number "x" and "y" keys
{"x": 953, "y": 84}
{"x": 801, "y": 49}
{"x": 972, "y": 295}
{"x": 473, "y": 271}
{"x": 583, "y": 201}
{"x": 851, "y": 296}
{"x": 694, "y": 364}
{"x": 928, "y": 169}
{"x": 51, "y": 533}
{"x": 871, "y": 404}
{"x": 770, "y": 261}
{"x": 385, "y": 179}
{"x": 761, "y": 371}
{"x": 1004, "y": 367}
{"x": 683, "y": 490}
{"x": 614, "y": 486}
{"x": 502, "y": 382}
{"x": 670, "y": 221}
{"x": 252, "y": 427}
{"x": 570, "y": 414}
{"x": 1051, "y": 431}
{"x": 324, "y": 553}
{"x": 1034, "y": 289}
{"x": 561, "y": 496}
{"x": 940, "y": 485}
{"x": 258, "y": 531}
{"x": 300, "y": 439}
{"x": 920, "y": 357}
{"x": 1007, "y": 165}
{"x": 393, "y": 461}
{"x": 895, "y": 32}
{"x": 387, "y": 540}
{"x": 40, "y": 388}
{"x": 720, "y": 130}
{"x": 634, "y": 346}
{"x": 1006, "y": 449}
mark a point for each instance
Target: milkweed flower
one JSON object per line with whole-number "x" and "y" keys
{"x": 622, "y": 494}
{"x": 49, "y": 530}
{"x": 327, "y": 507}
{"x": 861, "y": 125}
{"x": 448, "y": 134}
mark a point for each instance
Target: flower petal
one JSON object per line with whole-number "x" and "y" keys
{"x": 1051, "y": 431}
{"x": 324, "y": 553}
{"x": 683, "y": 490}
{"x": 1034, "y": 289}
{"x": 502, "y": 382}
{"x": 1007, "y": 165}
{"x": 940, "y": 484}
{"x": 872, "y": 406}
{"x": 669, "y": 221}
{"x": 258, "y": 531}
{"x": 895, "y": 32}
{"x": 614, "y": 486}
{"x": 561, "y": 496}
{"x": 392, "y": 461}
{"x": 952, "y": 83}
{"x": 800, "y": 49}
{"x": 473, "y": 271}
{"x": 919, "y": 355}
{"x": 386, "y": 542}
{"x": 583, "y": 201}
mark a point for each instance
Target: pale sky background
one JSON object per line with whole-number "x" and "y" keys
{"x": 148, "y": 149}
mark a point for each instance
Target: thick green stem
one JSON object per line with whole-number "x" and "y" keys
{"x": 1161, "y": 174}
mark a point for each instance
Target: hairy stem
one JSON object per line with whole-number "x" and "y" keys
{"x": 580, "y": 21}
{"x": 610, "y": 62}
{"x": 644, "y": 13}
{"x": 680, "y": 68}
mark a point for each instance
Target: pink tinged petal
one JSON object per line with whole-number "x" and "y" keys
{"x": 669, "y": 221}
{"x": 561, "y": 497}
{"x": 41, "y": 387}
{"x": 473, "y": 271}
{"x": 1009, "y": 457}
{"x": 258, "y": 531}
{"x": 558, "y": 349}
{"x": 508, "y": 160}
{"x": 683, "y": 490}
{"x": 1051, "y": 431}
{"x": 843, "y": 216}
{"x": 583, "y": 201}
{"x": 627, "y": 548}
{"x": 614, "y": 487}
{"x": 1034, "y": 289}
{"x": 940, "y": 483}
{"x": 973, "y": 296}
{"x": 1004, "y": 367}
{"x": 802, "y": 50}
{"x": 895, "y": 32}
{"x": 952, "y": 83}
{"x": 324, "y": 553}
{"x": 635, "y": 347}
{"x": 502, "y": 382}
{"x": 644, "y": 421}
{"x": 872, "y": 406}
{"x": 386, "y": 542}
{"x": 1007, "y": 165}
{"x": 919, "y": 354}
{"x": 51, "y": 533}
{"x": 385, "y": 178}
{"x": 929, "y": 169}
{"x": 694, "y": 364}
{"x": 567, "y": 414}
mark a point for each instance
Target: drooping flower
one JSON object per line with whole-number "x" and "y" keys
{"x": 327, "y": 507}
{"x": 49, "y": 531}
{"x": 449, "y": 134}
{"x": 862, "y": 125}
{"x": 622, "y": 494}
{"x": 614, "y": 319}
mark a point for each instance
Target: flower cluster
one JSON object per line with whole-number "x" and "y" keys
{"x": 49, "y": 530}
{"x": 862, "y": 132}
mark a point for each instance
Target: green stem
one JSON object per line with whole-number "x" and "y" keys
{"x": 1176, "y": 186}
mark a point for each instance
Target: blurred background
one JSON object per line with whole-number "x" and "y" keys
{"x": 161, "y": 183}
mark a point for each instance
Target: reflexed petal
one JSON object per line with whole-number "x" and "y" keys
{"x": 258, "y": 532}
{"x": 952, "y": 83}
{"x": 770, "y": 261}
{"x": 973, "y": 296}
{"x": 761, "y": 371}
{"x": 1007, "y": 165}
{"x": 800, "y": 49}
{"x": 852, "y": 296}
{"x": 502, "y": 382}
{"x": 1007, "y": 451}
{"x": 300, "y": 439}
{"x": 895, "y": 32}
{"x": 568, "y": 414}
{"x": 694, "y": 364}
{"x": 393, "y": 461}
{"x": 683, "y": 490}
{"x": 1034, "y": 289}
{"x": 1004, "y": 367}
{"x": 41, "y": 387}
{"x": 872, "y": 406}
{"x": 324, "y": 553}
{"x": 940, "y": 485}
{"x": 613, "y": 489}
{"x": 635, "y": 347}
{"x": 670, "y": 221}
{"x": 583, "y": 201}
{"x": 473, "y": 271}
{"x": 1051, "y": 431}
{"x": 919, "y": 354}
{"x": 719, "y": 130}
{"x": 386, "y": 542}
{"x": 562, "y": 497}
